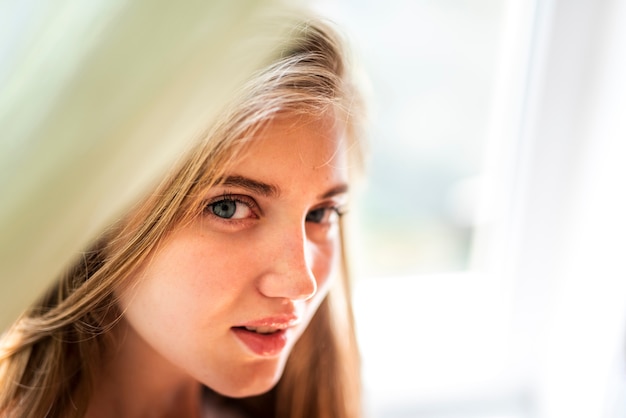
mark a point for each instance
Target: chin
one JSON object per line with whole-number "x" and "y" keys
{"x": 245, "y": 392}
{"x": 249, "y": 384}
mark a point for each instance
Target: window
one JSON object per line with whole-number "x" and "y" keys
{"x": 431, "y": 66}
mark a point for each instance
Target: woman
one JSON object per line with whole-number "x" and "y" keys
{"x": 223, "y": 292}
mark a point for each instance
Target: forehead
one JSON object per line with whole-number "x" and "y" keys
{"x": 299, "y": 142}
{"x": 299, "y": 157}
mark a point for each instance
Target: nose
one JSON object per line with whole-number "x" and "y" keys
{"x": 289, "y": 274}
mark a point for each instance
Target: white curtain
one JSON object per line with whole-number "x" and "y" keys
{"x": 558, "y": 242}
{"x": 96, "y": 99}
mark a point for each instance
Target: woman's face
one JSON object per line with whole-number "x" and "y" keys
{"x": 225, "y": 298}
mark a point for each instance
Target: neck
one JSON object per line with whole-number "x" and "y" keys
{"x": 135, "y": 381}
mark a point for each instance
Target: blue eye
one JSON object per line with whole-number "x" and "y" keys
{"x": 232, "y": 207}
{"x": 224, "y": 208}
{"x": 316, "y": 215}
{"x": 322, "y": 215}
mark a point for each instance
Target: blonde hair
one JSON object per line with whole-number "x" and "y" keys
{"x": 48, "y": 357}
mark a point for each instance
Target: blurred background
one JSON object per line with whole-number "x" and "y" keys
{"x": 431, "y": 67}
{"x": 488, "y": 238}
{"x": 491, "y": 228}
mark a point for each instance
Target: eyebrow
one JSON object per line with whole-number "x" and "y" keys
{"x": 340, "y": 189}
{"x": 264, "y": 189}
{"x": 270, "y": 190}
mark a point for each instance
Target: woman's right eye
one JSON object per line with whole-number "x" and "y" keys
{"x": 231, "y": 208}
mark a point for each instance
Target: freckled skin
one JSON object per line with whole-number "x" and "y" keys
{"x": 268, "y": 260}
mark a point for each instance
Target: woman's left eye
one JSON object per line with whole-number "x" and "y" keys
{"x": 323, "y": 215}
{"x": 230, "y": 208}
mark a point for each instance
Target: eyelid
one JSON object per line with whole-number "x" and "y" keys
{"x": 338, "y": 204}
{"x": 238, "y": 198}
{"x": 338, "y": 209}
{"x": 233, "y": 197}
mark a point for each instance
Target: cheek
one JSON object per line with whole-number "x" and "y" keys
{"x": 178, "y": 283}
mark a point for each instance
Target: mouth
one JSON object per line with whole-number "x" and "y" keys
{"x": 263, "y": 330}
{"x": 265, "y": 337}
{"x": 261, "y": 342}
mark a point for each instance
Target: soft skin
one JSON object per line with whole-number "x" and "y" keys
{"x": 255, "y": 253}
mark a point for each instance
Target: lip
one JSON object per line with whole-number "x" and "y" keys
{"x": 266, "y": 345}
{"x": 278, "y": 322}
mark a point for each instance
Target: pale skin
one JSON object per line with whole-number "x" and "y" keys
{"x": 262, "y": 255}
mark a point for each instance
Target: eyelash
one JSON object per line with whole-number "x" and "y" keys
{"x": 332, "y": 209}
{"x": 248, "y": 202}
{"x": 237, "y": 199}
